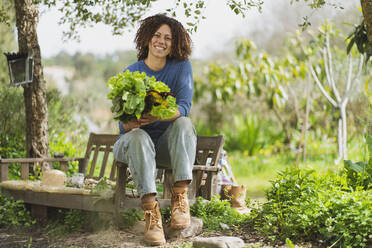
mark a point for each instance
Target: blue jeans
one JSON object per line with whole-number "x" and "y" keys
{"x": 175, "y": 150}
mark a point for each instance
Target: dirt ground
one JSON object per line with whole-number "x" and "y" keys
{"x": 100, "y": 232}
{"x": 37, "y": 237}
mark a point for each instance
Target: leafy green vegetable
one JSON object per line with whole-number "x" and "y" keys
{"x": 134, "y": 93}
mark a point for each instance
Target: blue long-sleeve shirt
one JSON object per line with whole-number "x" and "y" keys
{"x": 178, "y": 76}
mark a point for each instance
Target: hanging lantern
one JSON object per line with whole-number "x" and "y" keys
{"x": 21, "y": 68}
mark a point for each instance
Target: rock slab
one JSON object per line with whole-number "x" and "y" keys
{"x": 218, "y": 242}
{"x": 195, "y": 228}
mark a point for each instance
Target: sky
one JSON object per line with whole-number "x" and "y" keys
{"x": 215, "y": 33}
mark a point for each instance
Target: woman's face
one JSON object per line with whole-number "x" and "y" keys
{"x": 161, "y": 42}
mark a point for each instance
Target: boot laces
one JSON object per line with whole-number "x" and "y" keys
{"x": 179, "y": 202}
{"x": 153, "y": 218}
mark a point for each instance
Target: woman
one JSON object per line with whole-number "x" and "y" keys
{"x": 163, "y": 47}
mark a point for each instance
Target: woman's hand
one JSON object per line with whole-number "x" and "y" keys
{"x": 147, "y": 119}
{"x": 131, "y": 125}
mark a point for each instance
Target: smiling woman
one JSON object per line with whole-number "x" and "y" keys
{"x": 163, "y": 47}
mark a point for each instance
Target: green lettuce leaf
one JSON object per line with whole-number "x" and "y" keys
{"x": 128, "y": 96}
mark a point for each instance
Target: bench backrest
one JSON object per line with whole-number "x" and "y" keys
{"x": 208, "y": 152}
{"x": 98, "y": 145}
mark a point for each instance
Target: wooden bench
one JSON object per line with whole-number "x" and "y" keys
{"x": 99, "y": 149}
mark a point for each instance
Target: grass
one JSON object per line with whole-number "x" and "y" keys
{"x": 255, "y": 172}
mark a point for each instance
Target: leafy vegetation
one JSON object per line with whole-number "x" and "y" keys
{"x": 134, "y": 93}
{"x": 66, "y": 221}
{"x": 130, "y": 217}
{"x": 303, "y": 205}
{"x": 215, "y": 212}
{"x": 13, "y": 213}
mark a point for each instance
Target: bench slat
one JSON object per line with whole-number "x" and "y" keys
{"x": 205, "y": 168}
{"x": 94, "y": 161}
{"x": 104, "y": 161}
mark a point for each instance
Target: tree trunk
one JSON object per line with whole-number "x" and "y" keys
{"x": 340, "y": 141}
{"x": 367, "y": 14}
{"x": 344, "y": 131}
{"x": 35, "y": 93}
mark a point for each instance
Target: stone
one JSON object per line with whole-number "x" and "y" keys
{"x": 224, "y": 226}
{"x": 195, "y": 228}
{"x": 218, "y": 242}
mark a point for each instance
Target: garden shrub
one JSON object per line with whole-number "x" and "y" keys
{"x": 13, "y": 213}
{"x": 216, "y": 211}
{"x": 130, "y": 217}
{"x": 303, "y": 205}
{"x": 65, "y": 221}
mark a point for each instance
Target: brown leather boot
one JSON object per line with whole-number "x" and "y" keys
{"x": 180, "y": 208}
{"x": 154, "y": 233}
{"x": 237, "y": 197}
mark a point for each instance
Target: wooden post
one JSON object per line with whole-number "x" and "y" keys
{"x": 4, "y": 172}
{"x": 211, "y": 185}
{"x": 167, "y": 184}
{"x": 25, "y": 169}
{"x": 121, "y": 182}
{"x": 64, "y": 166}
{"x": 39, "y": 213}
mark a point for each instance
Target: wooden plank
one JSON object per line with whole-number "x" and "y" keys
{"x": 205, "y": 168}
{"x": 107, "y": 139}
{"x": 94, "y": 161}
{"x": 61, "y": 159}
{"x": 20, "y": 160}
{"x": 25, "y": 169}
{"x": 4, "y": 172}
{"x": 35, "y": 160}
{"x": 74, "y": 201}
{"x": 104, "y": 161}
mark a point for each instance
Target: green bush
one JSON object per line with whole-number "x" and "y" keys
{"x": 13, "y": 213}
{"x": 303, "y": 205}
{"x": 12, "y": 119}
{"x": 359, "y": 174}
{"x": 60, "y": 143}
{"x": 66, "y": 221}
{"x": 130, "y": 217}
{"x": 215, "y": 212}
{"x": 246, "y": 136}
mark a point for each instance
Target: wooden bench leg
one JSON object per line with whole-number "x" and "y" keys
{"x": 120, "y": 190}
{"x": 39, "y": 213}
{"x": 167, "y": 184}
{"x": 211, "y": 185}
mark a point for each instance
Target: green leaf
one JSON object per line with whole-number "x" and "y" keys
{"x": 289, "y": 243}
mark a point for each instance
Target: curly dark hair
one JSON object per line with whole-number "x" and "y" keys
{"x": 181, "y": 41}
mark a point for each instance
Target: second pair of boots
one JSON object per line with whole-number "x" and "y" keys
{"x": 235, "y": 194}
{"x": 180, "y": 219}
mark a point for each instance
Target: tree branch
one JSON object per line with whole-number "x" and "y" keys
{"x": 333, "y": 85}
{"x": 349, "y": 80}
{"x": 333, "y": 102}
